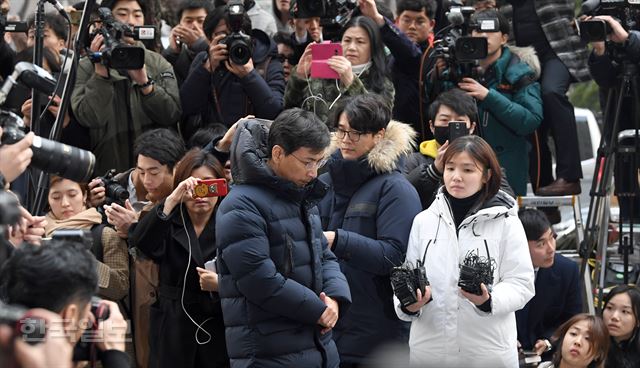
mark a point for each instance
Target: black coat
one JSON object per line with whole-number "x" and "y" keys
{"x": 171, "y": 333}
{"x": 273, "y": 263}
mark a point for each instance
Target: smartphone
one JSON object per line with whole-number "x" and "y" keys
{"x": 211, "y": 265}
{"x": 594, "y": 30}
{"x": 320, "y": 53}
{"x": 457, "y": 129}
{"x": 211, "y": 188}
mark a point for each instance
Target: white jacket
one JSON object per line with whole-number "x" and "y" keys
{"x": 450, "y": 331}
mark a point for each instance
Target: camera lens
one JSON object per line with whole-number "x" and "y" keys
{"x": 66, "y": 161}
{"x": 239, "y": 54}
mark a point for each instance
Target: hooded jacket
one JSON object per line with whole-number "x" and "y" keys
{"x": 116, "y": 112}
{"x": 370, "y": 206}
{"x": 450, "y": 331}
{"x": 222, "y": 97}
{"x": 273, "y": 263}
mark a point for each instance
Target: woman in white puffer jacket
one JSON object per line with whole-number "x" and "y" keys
{"x": 470, "y": 216}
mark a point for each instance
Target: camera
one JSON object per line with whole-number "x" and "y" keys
{"x": 333, "y": 14}
{"x": 238, "y": 43}
{"x": 114, "y": 192}
{"x": 461, "y": 51}
{"x": 30, "y": 329}
{"x": 14, "y": 27}
{"x": 9, "y": 209}
{"x": 85, "y": 349}
{"x": 49, "y": 156}
{"x": 476, "y": 270}
{"x": 116, "y": 54}
{"x": 624, "y": 11}
{"x": 80, "y": 236}
{"x": 406, "y": 280}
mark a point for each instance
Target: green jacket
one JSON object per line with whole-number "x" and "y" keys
{"x": 116, "y": 112}
{"x": 326, "y": 92}
{"x": 511, "y": 111}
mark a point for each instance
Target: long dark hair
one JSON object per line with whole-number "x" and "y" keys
{"x": 378, "y": 71}
{"x": 194, "y": 159}
{"x": 599, "y": 339}
{"x": 620, "y": 353}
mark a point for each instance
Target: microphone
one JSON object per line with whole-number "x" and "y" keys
{"x": 56, "y": 4}
{"x": 31, "y": 76}
{"x": 455, "y": 17}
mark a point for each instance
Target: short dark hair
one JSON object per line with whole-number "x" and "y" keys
{"x": 481, "y": 152}
{"x": 283, "y": 38}
{"x": 54, "y": 21}
{"x": 50, "y": 276}
{"x": 458, "y": 101}
{"x": 430, "y": 7}
{"x": 503, "y": 25}
{"x": 634, "y": 343}
{"x": 220, "y": 13}
{"x": 192, "y": 5}
{"x": 296, "y": 128}
{"x": 534, "y": 221}
{"x": 112, "y": 3}
{"x": 205, "y": 135}
{"x": 196, "y": 158}
{"x": 599, "y": 339}
{"x": 366, "y": 113}
{"x": 162, "y": 145}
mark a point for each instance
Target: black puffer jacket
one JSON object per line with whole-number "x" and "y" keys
{"x": 273, "y": 263}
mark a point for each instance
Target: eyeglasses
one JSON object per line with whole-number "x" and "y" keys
{"x": 353, "y": 135}
{"x": 311, "y": 165}
{"x": 283, "y": 58}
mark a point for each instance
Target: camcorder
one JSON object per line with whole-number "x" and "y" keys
{"x": 239, "y": 44}
{"x": 405, "y": 280}
{"x": 625, "y": 12}
{"x": 13, "y": 27}
{"x": 49, "y": 156}
{"x": 117, "y": 54}
{"x": 333, "y": 14}
{"x": 85, "y": 349}
{"x": 460, "y": 50}
{"x": 476, "y": 270}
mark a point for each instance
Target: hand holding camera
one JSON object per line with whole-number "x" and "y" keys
{"x": 473, "y": 88}
{"x": 14, "y": 158}
{"x": 112, "y": 329}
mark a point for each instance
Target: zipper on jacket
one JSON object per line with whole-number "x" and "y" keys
{"x": 288, "y": 256}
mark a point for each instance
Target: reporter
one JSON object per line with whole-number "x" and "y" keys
{"x": 362, "y": 69}
{"x": 68, "y": 211}
{"x": 179, "y": 234}
{"x": 469, "y": 217}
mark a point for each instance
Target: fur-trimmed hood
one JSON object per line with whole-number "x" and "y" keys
{"x": 399, "y": 141}
{"x": 528, "y": 56}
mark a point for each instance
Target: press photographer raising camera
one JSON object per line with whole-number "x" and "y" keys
{"x": 117, "y": 106}
{"x": 508, "y": 98}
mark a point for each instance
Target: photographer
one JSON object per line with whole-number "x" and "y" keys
{"x": 7, "y": 54}
{"x": 187, "y": 39}
{"x": 475, "y": 256}
{"x": 186, "y": 326}
{"x": 218, "y": 90}
{"x": 61, "y": 277}
{"x": 508, "y": 98}
{"x": 118, "y": 106}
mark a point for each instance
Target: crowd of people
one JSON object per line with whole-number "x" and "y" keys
{"x": 320, "y": 194}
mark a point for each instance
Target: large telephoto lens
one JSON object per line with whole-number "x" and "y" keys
{"x": 63, "y": 160}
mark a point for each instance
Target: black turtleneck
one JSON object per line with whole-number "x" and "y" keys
{"x": 461, "y": 207}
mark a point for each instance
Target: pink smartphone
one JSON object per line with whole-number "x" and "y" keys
{"x": 320, "y": 53}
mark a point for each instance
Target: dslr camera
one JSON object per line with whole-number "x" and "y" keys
{"x": 114, "y": 192}
{"x": 29, "y": 329}
{"x": 238, "y": 43}
{"x": 333, "y": 14}
{"x": 86, "y": 348}
{"x": 405, "y": 280}
{"x": 116, "y": 54}
{"x": 49, "y": 156}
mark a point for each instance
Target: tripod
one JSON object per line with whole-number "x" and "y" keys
{"x": 596, "y": 230}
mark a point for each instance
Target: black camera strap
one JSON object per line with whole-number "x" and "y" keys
{"x": 424, "y": 255}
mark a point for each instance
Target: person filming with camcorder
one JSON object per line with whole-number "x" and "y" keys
{"x": 122, "y": 89}
{"x": 502, "y": 80}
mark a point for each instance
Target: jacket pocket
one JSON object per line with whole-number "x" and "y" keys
{"x": 287, "y": 261}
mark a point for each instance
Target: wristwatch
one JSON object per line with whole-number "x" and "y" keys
{"x": 149, "y": 82}
{"x": 548, "y": 343}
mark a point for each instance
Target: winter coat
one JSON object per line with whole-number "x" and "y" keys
{"x": 262, "y": 20}
{"x": 273, "y": 263}
{"x": 178, "y": 252}
{"x": 182, "y": 58}
{"x": 370, "y": 206}
{"x": 116, "y": 112}
{"x": 222, "y": 97}
{"x": 450, "y": 331}
{"x": 556, "y": 18}
{"x": 317, "y": 95}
